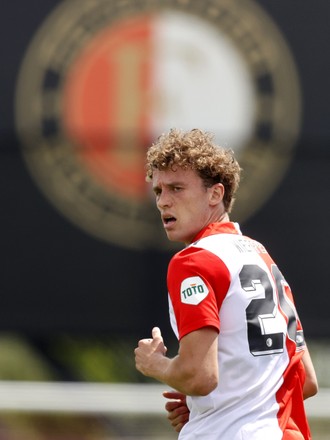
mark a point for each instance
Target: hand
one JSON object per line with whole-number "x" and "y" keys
{"x": 150, "y": 355}
{"x": 177, "y": 409}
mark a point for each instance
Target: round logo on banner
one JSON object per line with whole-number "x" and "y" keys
{"x": 102, "y": 80}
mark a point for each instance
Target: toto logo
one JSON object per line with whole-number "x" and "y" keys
{"x": 102, "y": 80}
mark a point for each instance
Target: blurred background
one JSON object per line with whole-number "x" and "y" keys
{"x": 86, "y": 86}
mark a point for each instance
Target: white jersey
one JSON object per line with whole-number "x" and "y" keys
{"x": 230, "y": 282}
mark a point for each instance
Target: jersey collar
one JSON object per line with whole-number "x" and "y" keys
{"x": 218, "y": 228}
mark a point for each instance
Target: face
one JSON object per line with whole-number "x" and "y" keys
{"x": 185, "y": 205}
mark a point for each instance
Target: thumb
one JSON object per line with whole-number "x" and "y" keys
{"x": 158, "y": 340}
{"x": 156, "y": 333}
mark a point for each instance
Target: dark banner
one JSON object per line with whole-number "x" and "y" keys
{"x": 86, "y": 87}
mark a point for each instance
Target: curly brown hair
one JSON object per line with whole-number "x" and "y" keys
{"x": 195, "y": 149}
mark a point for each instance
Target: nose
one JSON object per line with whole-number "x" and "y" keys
{"x": 163, "y": 200}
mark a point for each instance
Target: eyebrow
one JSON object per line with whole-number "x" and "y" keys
{"x": 169, "y": 185}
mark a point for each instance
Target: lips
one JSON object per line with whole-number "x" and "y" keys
{"x": 168, "y": 220}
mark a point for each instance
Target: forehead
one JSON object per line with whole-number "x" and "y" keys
{"x": 178, "y": 175}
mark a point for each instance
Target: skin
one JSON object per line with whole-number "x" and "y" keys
{"x": 310, "y": 386}
{"x": 181, "y": 194}
{"x": 177, "y": 410}
{"x": 194, "y": 371}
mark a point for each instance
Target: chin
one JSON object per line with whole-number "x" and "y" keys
{"x": 171, "y": 237}
{"x": 175, "y": 238}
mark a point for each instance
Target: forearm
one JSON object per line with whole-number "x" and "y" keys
{"x": 310, "y": 386}
{"x": 194, "y": 371}
{"x": 182, "y": 376}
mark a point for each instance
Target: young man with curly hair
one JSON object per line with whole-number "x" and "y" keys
{"x": 242, "y": 368}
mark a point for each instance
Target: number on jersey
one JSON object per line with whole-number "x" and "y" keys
{"x": 267, "y": 327}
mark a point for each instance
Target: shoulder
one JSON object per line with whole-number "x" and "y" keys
{"x": 191, "y": 256}
{"x": 216, "y": 248}
{"x": 197, "y": 261}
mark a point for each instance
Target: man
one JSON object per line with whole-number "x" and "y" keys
{"x": 242, "y": 368}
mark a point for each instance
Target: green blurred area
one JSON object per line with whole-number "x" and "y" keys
{"x": 66, "y": 357}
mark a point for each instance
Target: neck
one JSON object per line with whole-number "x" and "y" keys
{"x": 223, "y": 217}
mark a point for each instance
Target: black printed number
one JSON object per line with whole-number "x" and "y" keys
{"x": 262, "y": 313}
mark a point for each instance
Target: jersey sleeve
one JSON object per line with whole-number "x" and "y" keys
{"x": 198, "y": 282}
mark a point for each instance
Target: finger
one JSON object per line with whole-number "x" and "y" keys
{"x": 174, "y": 395}
{"x": 176, "y": 408}
{"x": 156, "y": 333}
{"x": 178, "y": 427}
{"x": 172, "y": 405}
{"x": 179, "y": 421}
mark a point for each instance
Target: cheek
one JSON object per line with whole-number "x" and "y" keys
{"x": 195, "y": 215}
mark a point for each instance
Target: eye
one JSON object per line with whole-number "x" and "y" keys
{"x": 177, "y": 188}
{"x": 157, "y": 192}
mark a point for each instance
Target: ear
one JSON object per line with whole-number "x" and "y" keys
{"x": 217, "y": 192}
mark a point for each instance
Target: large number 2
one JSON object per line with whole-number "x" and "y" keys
{"x": 257, "y": 281}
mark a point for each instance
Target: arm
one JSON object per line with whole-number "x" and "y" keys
{"x": 194, "y": 371}
{"x": 310, "y": 386}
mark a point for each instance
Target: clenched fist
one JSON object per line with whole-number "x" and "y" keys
{"x": 150, "y": 357}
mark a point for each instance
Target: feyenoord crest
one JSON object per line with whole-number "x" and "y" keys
{"x": 103, "y": 79}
